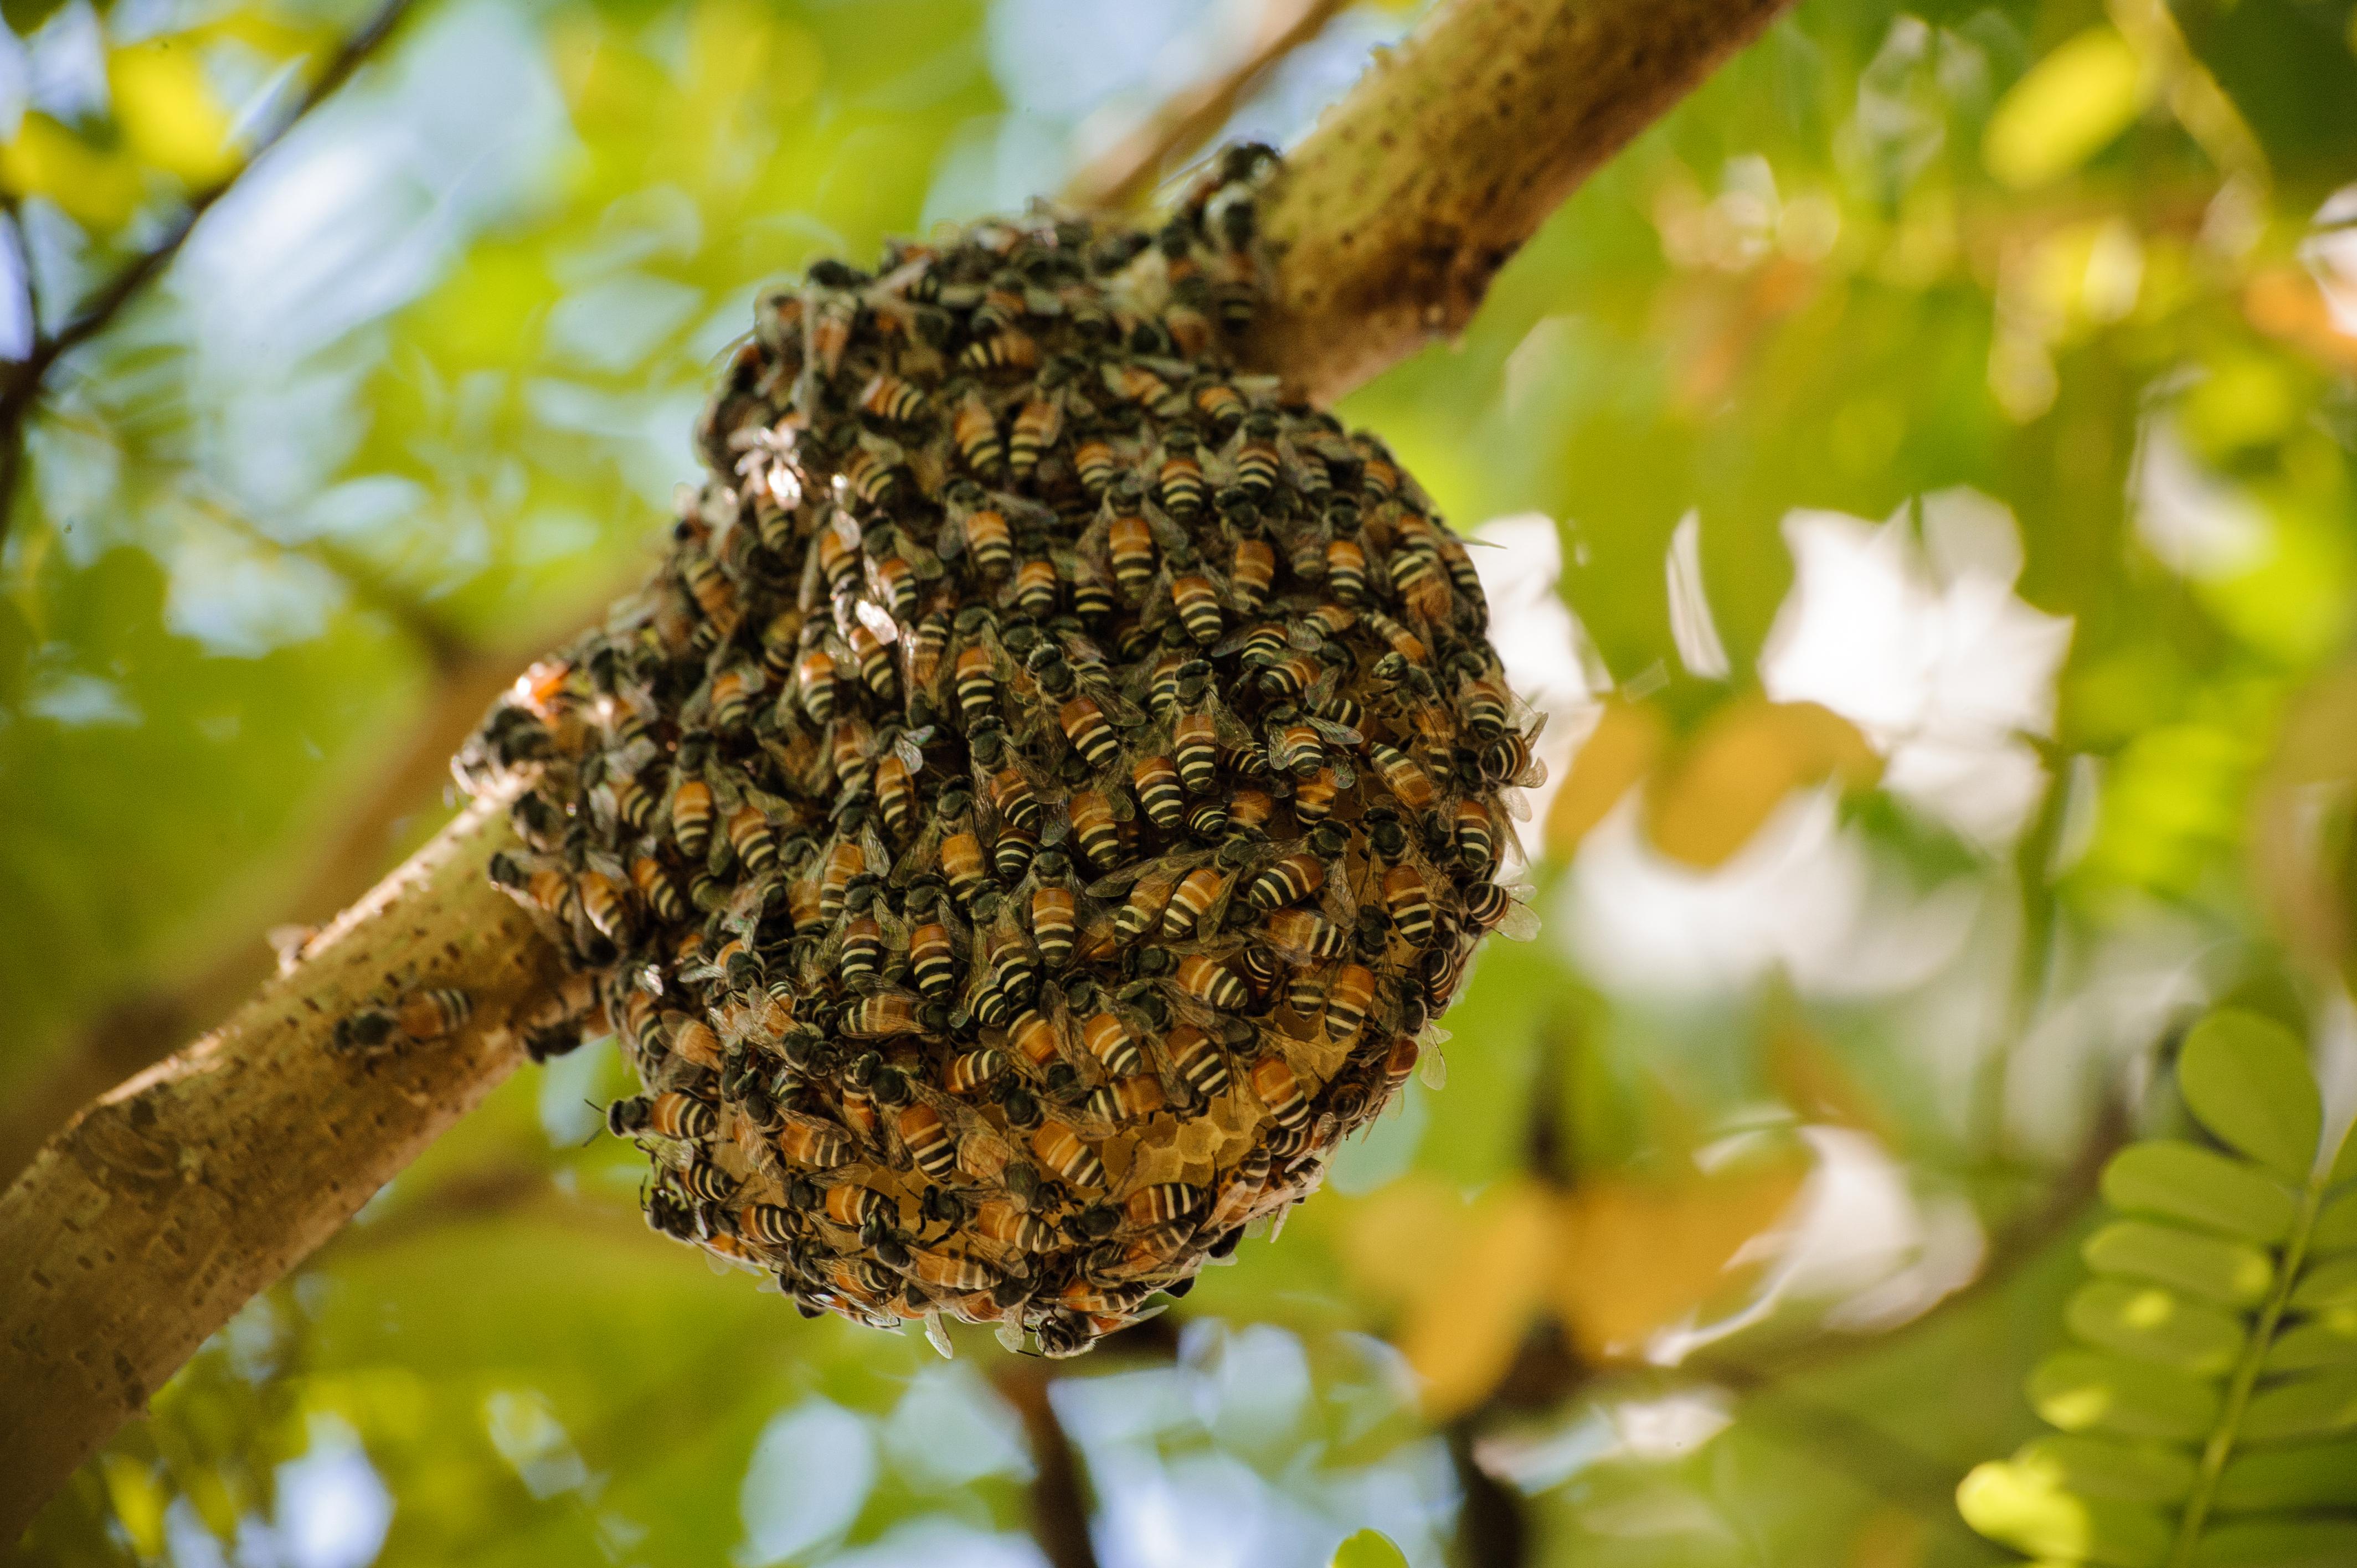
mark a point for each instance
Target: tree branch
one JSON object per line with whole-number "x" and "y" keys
{"x": 22, "y": 391}
{"x": 176, "y": 1197}
{"x": 150, "y": 1220}
{"x": 1126, "y": 171}
{"x": 1401, "y": 206}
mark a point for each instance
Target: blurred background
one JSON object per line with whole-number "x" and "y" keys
{"x": 1916, "y": 479}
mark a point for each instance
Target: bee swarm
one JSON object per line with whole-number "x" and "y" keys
{"x": 1032, "y": 814}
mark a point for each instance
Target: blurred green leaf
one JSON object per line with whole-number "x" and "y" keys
{"x": 2182, "y": 1181}
{"x": 2201, "y": 1266}
{"x": 2024, "y": 1507}
{"x": 2247, "y": 1078}
{"x": 2071, "y": 105}
{"x": 2079, "y": 1390}
{"x": 1368, "y": 1549}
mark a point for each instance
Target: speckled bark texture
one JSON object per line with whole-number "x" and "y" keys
{"x": 141, "y": 1229}
{"x": 1412, "y": 191}
{"x": 173, "y": 1200}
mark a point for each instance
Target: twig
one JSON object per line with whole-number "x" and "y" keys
{"x": 1125, "y": 171}
{"x": 1059, "y": 1509}
{"x": 23, "y": 390}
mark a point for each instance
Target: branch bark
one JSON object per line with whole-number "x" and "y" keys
{"x": 146, "y": 1223}
{"x": 1401, "y": 206}
{"x": 174, "y": 1200}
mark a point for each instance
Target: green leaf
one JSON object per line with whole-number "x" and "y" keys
{"x": 2025, "y": 1507}
{"x": 2336, "y": 1222}
{"x": 2304, "y": 1407}
{"x": 2318, "y": 1476}
{"x": 2106, "y": 1467}
{"x": 2329, "y": 1340}
{"x": 1368, "y": 1549}
{"x": 2065, "y": 110}
{"x": 2247, "y": 1078}
{"x": 2229, "y": 1273}
{"x": 2153, "y": 1323}
{"x": 2183, "y": 1181}
{"x": 2327, "y": 1285}
{"x": 2279, "y": 1543}
{"x": 2080, "y": 1390}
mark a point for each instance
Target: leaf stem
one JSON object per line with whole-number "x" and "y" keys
{"x": 2221, "y": 1446}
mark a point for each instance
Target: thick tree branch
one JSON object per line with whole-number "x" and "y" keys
{"x": 147, "y": 1223}
{"x": 175, "y": 1198}
{"x": 1399, "y": 208}
{"x": 22, "y": 391}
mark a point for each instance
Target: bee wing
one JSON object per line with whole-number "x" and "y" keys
{"x": 1521, "y": 922}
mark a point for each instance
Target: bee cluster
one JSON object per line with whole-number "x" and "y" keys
{"x": 1037, "y": 808}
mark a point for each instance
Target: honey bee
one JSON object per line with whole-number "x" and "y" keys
{"x": 1197, "y": 604}
{"x": 1422, "y": 586}
{"x": 815, "y": 682}
{"x": 1037, "y": 589}
{"x": 1129, "y": 546}
{"x": 1094, "y": 464}
{"x": 667, "y": 1115}
{"x": 1409, "y": 903}
{"x": 1257, "y": 460}
{"x": 986, "y": 537}
{"x": 975, "y": 432}
{"x": 608, "y": 910}
{"x": 1007, "y": 351}
{"x": 896, "y": 794}
{"x": 1210, "y": 982}
{"x": 1280, "y": 1091}
{"x": 1250, "y": 571}
{"x": 859, "y": 957}
{"x": 808, "y": 1142}
{"x": 1346, "y": 1000}
{"x": 961, "y": 864}
{"x": 1198, "y": 1060}
{"x": 1109, "y": 1040}
{"x": 889, "y": 397}
{"x": 1127, "y": 1100}
{"x": 974, "y": 1072}
{"x": 886, "y": 1014}
{"x": 1037, "y": 426}
{"x": 1061, "y": 1150}
{"x": 873, "y": 657}
{"x": 768, "y": 1224}
{"x": 1346, "y": 572}
{"x": 928, "y": 1140}
{"x": 838, "y": 553}
{"x": 1155, "y": 779}
{"x": 1407, "y": 782}
{"x": 950, "y": 1271}
{"x": 995, "y": 1219}
{"x": 1193, "y": 902}
{"x": 1507, "y": 762}
{"x": 1220, "y": 406}
{"x": 1094, "y": 828}
{"x": 932, "y": 959}
{"x": 1494, "y": 908}
{"x": 1179, "y": 479}
{"x": 929, "y": 645}
{"x": 1054, "y": 919}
